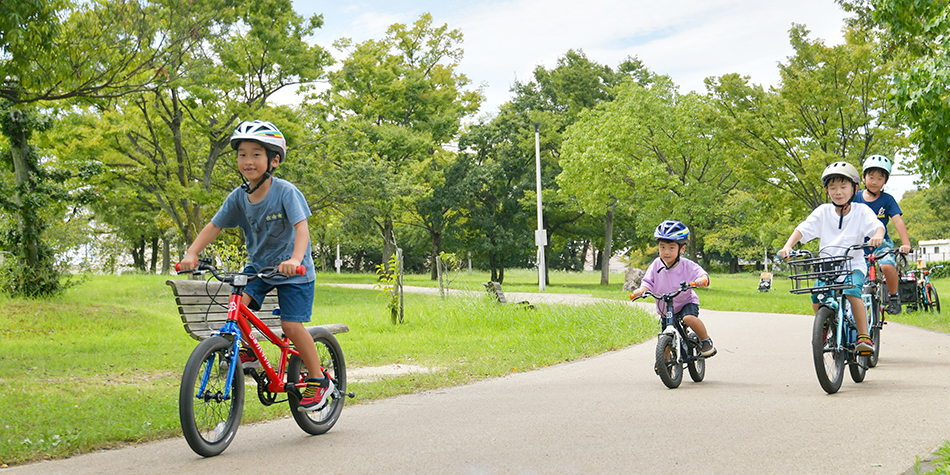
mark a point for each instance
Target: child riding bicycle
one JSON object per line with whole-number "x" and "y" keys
{"x": 667, "y": 271}
{"x": 877, "y": 169}
{"x": 838, "y": 225}
{"x": 272, "y": 213}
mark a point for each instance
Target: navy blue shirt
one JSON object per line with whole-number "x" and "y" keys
{"x": 268, "y": 226}
{"x": 885, "y": 207}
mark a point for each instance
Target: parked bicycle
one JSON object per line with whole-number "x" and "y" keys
{"x": 211, "y": 399}
{"x": 927, "y": 298}
{"x": 676, "y": 344}
{"x": 875, "y": 286}
{"x": 834, "y": 332}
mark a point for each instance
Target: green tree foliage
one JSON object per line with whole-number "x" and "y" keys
{"x": 916, "y": 36}
{"x": 927, "y": 213}
{"x": 169, "y": 142}
{"x": 406, "y": 98}
{"x": 652, "y": 151}
{"x": 830, "y": 106}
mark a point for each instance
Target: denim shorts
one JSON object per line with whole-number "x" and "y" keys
{"x": 887, "y": 260}
{"x": 688, "y": 309}
{"x": 295, "y": 300}
{"x": 857, "y": 279}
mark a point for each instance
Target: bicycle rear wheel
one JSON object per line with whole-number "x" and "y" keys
{"x": 667, "y": 365}
{"x": 932, "y": 299}
{"x": 331, "y": 358}
{"x": 829, "y": 361}
{"x": 209, "y": 420}
{"x": 697, "y": 367}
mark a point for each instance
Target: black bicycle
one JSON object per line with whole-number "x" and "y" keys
{"x": 676, "y": 343}
{"x": 875, "y": 286}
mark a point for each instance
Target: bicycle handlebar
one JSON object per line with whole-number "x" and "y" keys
{"x": 204, "y": 264}
{"x": 807, "y": 253}
{"x": 669, "y": 295}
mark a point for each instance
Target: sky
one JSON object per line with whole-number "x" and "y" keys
{"x": 689, "y": 40}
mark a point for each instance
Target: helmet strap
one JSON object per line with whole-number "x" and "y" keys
{"x": 246, "y": 186}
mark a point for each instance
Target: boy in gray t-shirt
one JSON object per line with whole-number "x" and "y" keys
{"x": 273, "y": 215}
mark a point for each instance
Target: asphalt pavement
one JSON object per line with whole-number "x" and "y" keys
{"x": 760, "y": 410}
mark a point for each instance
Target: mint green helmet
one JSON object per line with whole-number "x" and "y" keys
{"x": 879, "y": 162}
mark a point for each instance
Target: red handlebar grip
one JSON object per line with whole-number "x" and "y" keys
{"x": 178, "y": 267}
{"x": 632, "y": 297}
{"x": 301, "y": 270}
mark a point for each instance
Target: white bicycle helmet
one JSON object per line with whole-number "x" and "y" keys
{"x": 879, "y": 162}
{"x": 263, "y": 132}
{"x": 843, "y": 169}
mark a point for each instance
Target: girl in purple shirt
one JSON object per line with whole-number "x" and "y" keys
{"x": 668, "y": 270}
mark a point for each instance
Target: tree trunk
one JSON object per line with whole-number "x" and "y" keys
{"x": 436, "y": 237}
{"x": 27, "y": 217}
{"x": 608, "y": 244}
{"x": 166, "y": 257}
{"x": 584, "y": 254}
{"x": 151, "y": 267}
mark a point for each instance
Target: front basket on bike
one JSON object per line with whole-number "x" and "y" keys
{"x": 815, "y": 275}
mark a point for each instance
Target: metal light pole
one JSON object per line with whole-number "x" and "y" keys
{"x": 540, "y": 236}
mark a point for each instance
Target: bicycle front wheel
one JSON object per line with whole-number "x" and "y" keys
{"x": 209, "y": 420}
{"x": 932, "y": 299}
{"x": 667, "y": 365}
{"x": 697, "y": 367}
{"x": 829, "y": 361}
{"x": 331, "y": 358}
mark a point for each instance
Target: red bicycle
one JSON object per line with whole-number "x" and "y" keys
{"x": 211, "y": 399}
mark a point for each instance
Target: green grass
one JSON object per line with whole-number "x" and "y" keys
{"x": 100, "y": 365}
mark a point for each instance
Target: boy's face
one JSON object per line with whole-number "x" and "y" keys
{"x": 840, "y": 191}
{"x": 252, "y": 160}
{"x": 874, "y": 181}
{"x": 668, "y": 251}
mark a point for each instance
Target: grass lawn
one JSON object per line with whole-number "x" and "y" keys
{"x": 99, "y": 366}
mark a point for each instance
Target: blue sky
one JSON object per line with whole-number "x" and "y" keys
{"x": 688, "y": 40}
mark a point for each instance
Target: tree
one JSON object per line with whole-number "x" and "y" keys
{"x": 830, "y": 107}
{"x": 52, "y": 51}
{"x": 166, "y": 144}
{"x": 406, "y": 97}
{"x": 916, "y": 37}
{"x": 555, "y": 98}
{"x": 651, "y": 150}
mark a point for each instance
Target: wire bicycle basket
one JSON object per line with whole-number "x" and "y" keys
{"x": 815, "y": 275}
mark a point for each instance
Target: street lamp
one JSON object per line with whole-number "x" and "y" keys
{"x": 540, "y": 236}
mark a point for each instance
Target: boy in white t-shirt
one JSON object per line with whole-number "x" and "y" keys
{"x": 839, "y": 225}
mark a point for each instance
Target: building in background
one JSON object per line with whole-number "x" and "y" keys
{"x": 933, "y": 251}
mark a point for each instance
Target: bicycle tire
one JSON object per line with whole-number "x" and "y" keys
{"x": 667, "y": 365}
{"x": 875, "y": 323}
{"x": 933, "y": 298}
{"x": 210, "y": 423}
{"x": 697, "y": 367}
{"x": 858, "y": 368}
{"x": 331, "y": 358}
{"x": 829, "y": 362}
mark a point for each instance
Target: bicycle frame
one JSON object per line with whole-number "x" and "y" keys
{"x": 239, "y": 326}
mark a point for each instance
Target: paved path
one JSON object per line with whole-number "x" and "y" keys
{"x": 760, "y": 411}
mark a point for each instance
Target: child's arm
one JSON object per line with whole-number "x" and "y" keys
{"x": 702, "y": 281}
{"x": 792, "y": 240}
{"x": 902, "y": 232}
{"x": 878, "y": 236}
{"x": 208, "y": 234}
{"x": 301, "y": 239}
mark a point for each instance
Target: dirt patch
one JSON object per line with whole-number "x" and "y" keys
{"x": 368, "y": 374}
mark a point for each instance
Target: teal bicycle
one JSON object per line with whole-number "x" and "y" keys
{"x": 834, "y": 333}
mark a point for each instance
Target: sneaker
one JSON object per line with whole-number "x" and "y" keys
{"x": 249, "y": 359}
{"x": 707, "y": 348}
{"x": 316, "y": 395}
{"x": 894, "y": 305}
{"x": 864, "y": 345}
